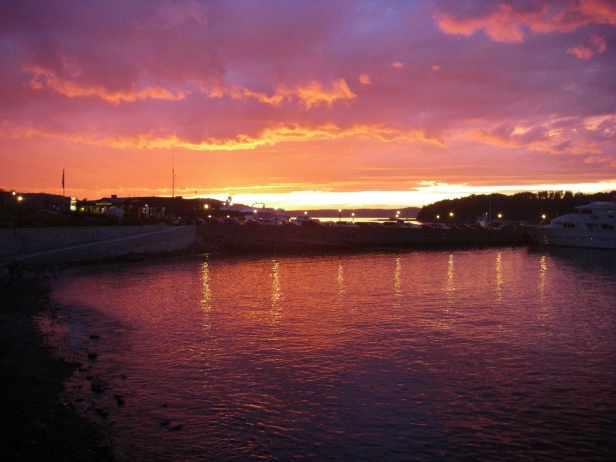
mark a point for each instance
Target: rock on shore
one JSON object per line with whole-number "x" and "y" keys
{"x": 35, "y": 425}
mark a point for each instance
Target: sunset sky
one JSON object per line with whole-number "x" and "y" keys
{"x": 307, "y": 103}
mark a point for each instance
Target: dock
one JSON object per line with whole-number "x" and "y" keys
{"x": 234, "y": 237}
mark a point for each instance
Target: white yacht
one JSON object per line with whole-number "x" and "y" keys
{"x": 592, "y": 225}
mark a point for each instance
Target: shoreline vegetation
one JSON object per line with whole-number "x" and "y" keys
{"x": 36, "y": 424}
{"x": 41, "y": 210}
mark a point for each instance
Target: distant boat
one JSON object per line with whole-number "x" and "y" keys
{"x": 266, "y": 215}
{"x": 592, "y": 225}
{"x": 256, "y": 213}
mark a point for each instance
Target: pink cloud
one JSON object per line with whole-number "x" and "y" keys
{"x": 601, "y": 11}
{"x": 261, "y": 95}
{"x": 596, "y": 45}
{"x": 507, "y": 21}
{"x": 364, "y": 79}
{"x": 554, "y": 137}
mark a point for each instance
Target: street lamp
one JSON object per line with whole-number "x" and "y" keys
{"x": 353, "y": 217}
{"x": 19, "y": 200}
{"x": 339, "y": 215}
{"x": 450, "y": 218}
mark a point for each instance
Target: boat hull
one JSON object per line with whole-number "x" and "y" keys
{"x": 571, "y": 238}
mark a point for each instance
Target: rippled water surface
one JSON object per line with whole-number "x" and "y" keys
{"x": 423, "y": 355}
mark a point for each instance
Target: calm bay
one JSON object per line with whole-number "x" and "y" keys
{"x": 450, "y": 354}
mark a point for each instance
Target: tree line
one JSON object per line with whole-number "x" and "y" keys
{"x": 530, "y": 207}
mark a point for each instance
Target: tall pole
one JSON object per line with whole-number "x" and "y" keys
{"x": 62, "y": 190}
{"x": 172, "y": 172}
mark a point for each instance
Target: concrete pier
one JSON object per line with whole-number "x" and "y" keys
{"x": 292, "y": 237}
{"x": 80, "y": 244}
{"x": 72, "y": 245}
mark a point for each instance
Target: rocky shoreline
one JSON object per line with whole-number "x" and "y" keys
{"x": 36, "y": 424}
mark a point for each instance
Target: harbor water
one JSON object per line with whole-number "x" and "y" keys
{"x": 450, "y": 354}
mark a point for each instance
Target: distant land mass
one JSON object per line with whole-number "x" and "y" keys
{"x": 39, "y": 209}
{"x": 406, "y": 213}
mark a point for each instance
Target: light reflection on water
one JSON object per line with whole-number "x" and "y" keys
{"x": 439, "y": 355}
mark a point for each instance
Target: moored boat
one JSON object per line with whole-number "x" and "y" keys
{"x": 592, "y": 225}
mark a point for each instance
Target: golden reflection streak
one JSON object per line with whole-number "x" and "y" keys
{"x": 276, "y": 292}
{"x": 543, "y": 268}
{"x": 499, "y": 277}
{"x": 397, "y": 278}
{"x": 206, "y": 296}
{"x": 397, "y": 273}
{"x": 451, "y": 287}
{"x": 340, "y": 280}
{"x": 397, "y": 302}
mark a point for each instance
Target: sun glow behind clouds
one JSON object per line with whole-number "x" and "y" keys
{"x": 404, "y": 105}
{"x": 423, "y": 195}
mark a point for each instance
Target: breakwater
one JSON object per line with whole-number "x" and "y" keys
{"x": 80, "y": 244}
{"x": 68, "y": 245}
{"x": 290, "y": 237}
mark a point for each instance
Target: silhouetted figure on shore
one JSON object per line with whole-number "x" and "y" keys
{"x": 15, "y": 271}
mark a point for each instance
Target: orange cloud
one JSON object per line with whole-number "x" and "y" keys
{"x": 285, "y": 133}
{"x": 44, "y": 78}
{"x": 315, "y": 94}
{"x": 310, "y": 95}
{"x": 282, "y": 133}
{"x": 244, "y": 93}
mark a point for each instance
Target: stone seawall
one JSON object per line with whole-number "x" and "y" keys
{"x": 91, "y": 243}
{"x": 290, "y": 237}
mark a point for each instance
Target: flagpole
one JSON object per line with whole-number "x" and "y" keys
{"x": 62, "y": 190}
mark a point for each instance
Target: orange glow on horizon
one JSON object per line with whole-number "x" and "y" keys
{"x": 312, "y": 104}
